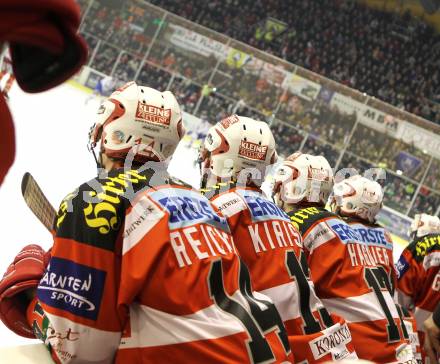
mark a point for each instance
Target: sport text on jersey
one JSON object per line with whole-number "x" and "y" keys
{"x": 362, "y": 233}
{"x": 260, "y": 208}
{"x": 198, "y": 232}
{"x": 425, "y": 244}
{"x": 270, "y": 228}
{"x": 205, "y": 242}
{"x": 334, "y": 342}
{"x": 72, "y": 287}
{"x": 187, "y": 208}
{"x": 366, "y": 246}
{"x": 103, "y": 215}
{"x": 153, "y": 114}
{"x": 300, "y": 218}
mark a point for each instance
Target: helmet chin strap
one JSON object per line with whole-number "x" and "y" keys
{"x": 99, "y": 164}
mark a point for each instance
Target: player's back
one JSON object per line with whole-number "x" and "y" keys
{"x": 163, "y": 269}
{"x": 271, "y": 248}
{"x": 351, "y": 266}
{"x": 418, "y": 284}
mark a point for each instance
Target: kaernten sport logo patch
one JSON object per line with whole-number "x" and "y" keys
{"x": 72, "y": 287}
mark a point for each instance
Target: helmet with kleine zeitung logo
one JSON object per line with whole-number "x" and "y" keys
{"x": 240, "y": 144}
{"x": 303, "y": 178}
{"x": 357, "y": 196}
{"x": 138, "y": 117}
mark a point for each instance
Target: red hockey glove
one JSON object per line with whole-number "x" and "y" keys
{"x": 23, "y": 274}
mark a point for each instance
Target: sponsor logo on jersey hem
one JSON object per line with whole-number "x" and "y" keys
{"x": 333, "y": 342}
{"x": 404, "y": 354}
{"x": 70, "y": 297}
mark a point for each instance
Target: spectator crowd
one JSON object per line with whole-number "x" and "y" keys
{"x": 298, "y": 122}
{"x": 393, "y": 57}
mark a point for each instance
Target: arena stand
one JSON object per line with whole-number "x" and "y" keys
{"x": 394, "y": 58}
{"x": 214, "y": 75}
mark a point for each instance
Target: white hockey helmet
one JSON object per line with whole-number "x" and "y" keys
{"x": 424, "y": 224}
{"x": 237, "y": 143}
{"x": 303, "y": 178}
{"x": 137, "y": 115}
{"x": 357, "y": 196}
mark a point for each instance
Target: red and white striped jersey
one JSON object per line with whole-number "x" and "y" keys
{"x": 151, "y": 277}
{"x": 271, "y": 248}
{"x": 351, "y": 266}
{"x": 418, "y": 283}
{"x": 411, "y": 328}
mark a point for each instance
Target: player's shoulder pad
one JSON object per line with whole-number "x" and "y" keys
{"x": 176, "y": 181}
{"x": 94, "y": 212}
{"x": 304, "y": 217}
{"x": 211, "y": 192}
{"x": 422, "y": 246}
{"x": 229, "y": 203}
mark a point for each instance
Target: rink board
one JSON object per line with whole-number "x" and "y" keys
{"x": 24, "y": 354}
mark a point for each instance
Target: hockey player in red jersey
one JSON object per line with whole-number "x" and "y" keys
{"x": 143, "y": 268}
{"x": 358, "y": 200}
{"x": 349, "y": 262}
{"x": 414, "y": 337}
{"x": 238, "y": 150}
{"x": 418, "y": 284}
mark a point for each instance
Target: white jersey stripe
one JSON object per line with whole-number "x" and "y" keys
{"x": 286, "y": 300}
{"x": 361, "y": 308}
{"x": 151, "y": 327}
{"x": 76, "y": 343}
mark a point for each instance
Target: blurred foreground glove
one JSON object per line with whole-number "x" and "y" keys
{"x": 45, "y": 49}
{"x": 43, "y": 41}
{"x": 23, "y": 274}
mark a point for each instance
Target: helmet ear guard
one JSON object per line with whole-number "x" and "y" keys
{"x": 216, "y": 142}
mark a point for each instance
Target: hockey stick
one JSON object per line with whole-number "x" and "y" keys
{"x": 37, "y": 201}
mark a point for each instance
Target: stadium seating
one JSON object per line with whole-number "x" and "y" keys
{"x": 335, "y": 38}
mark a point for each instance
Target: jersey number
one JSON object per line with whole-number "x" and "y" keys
{"x": 258, "y": 321}
{"x": 300, "y": 271}
{"x": 377, "y": 279}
